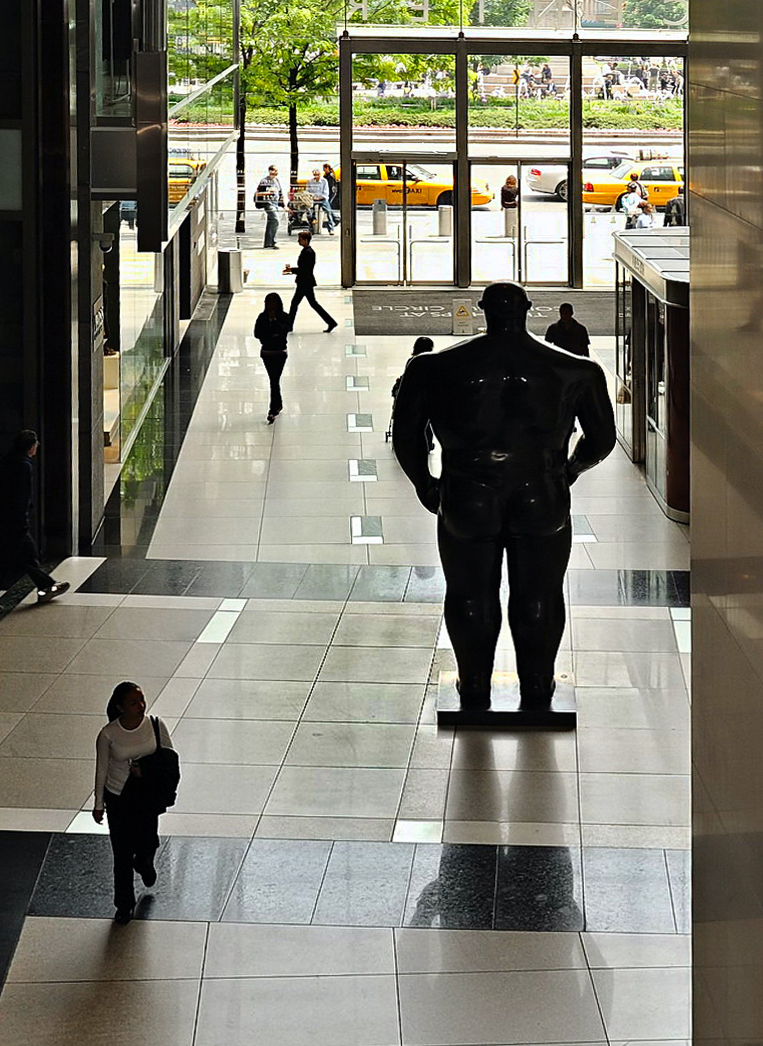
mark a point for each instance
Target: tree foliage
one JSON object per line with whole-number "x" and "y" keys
{"x": 655, "y": 14}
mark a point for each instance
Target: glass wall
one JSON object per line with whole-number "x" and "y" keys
{"x": 113, "y": 58}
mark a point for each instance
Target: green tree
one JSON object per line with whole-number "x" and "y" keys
{"x": 290, "y": 54}
{"x": 655, "y": 14}
{"x": 508, "y": 14}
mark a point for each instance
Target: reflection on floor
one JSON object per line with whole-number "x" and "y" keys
{"x": 337, "y": 870}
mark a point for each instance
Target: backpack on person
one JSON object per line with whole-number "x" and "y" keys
{"x": 160, "y": 773}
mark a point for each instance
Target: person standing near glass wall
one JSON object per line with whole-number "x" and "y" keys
{"x": 268, "y": 198}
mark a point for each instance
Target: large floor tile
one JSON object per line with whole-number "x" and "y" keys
{"x": 267, "y": 661}
{"x": 306, "y": 791}
{"x": 54, "y": 1014}
{"x": 484, "y": 750}
{"x": 484, "y": 1008}
{"x": 206, "y": 826}
{"x": 350, "y": 744}
{"x": 128, "y": 622}
{"x": 387, "y": 630}
{"x": 219, "y": 741}
{"x": 376, "y": 665}
{"x": 72, "y": 622}
{"x": 129, "y": 658}
{"x": 628, "y": 669}
{"x": 211, "y": 788}
{"x": 485, "y": 951}
{"x": 607, "y": 750}
{"x": 504, "y": 795}
{"x": 241, "y": 950}
{"x": 627, "y": 890}
{"x": 51, "y": 784}
{"x": 365, "y": 702}
{"x": 365, "y": 885}
{"x": 321, "y": 1011}
{"x": 195, "y": 877}
{"x": 628, "y": 708}
{"x": 20, "y": 690}
{"x": 358, "y": 829}
{"x": 61, "y": 949}
{"x": 278, "y": 881}
{"x": 55, "y": 654}
{"x": 261, "y": 626}
{"x": 55, "y": 736}
{"x": 424, "y": 795}
{"x": 635, "y": 799}
{"x": 609, "y": 634}
{"x": 636, "y": 950}
{"x": 248, "y": 699}
{"x": 644, "y": 1004}
{"x": 21, "y": 819}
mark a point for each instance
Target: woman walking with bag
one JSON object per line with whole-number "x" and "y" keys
{"x": 132, "y": 793}
{"x": 271, "y": 328}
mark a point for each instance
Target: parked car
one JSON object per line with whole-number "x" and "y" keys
{"x": 553, "y": 179}
{"x": 662, "y": 180}
{"x": 384, "y": 181}
{"x": 182, "y": 174}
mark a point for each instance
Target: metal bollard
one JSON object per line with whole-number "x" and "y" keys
{"x": 445, "y": 220}
{"x": 230, "y": 276}
{"x": 510, "y": 222}
{"x": 379, "y": 217}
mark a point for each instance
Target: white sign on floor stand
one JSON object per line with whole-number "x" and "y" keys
{"x": 463, "y": 316}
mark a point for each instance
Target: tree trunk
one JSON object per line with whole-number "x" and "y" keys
{"x": 294, "y": 145}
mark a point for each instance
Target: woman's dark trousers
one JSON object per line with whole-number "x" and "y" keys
{"x": 274, "y": 365}
{"x": 134, "y": 834}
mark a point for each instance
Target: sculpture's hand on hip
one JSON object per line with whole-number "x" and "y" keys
{"x": 429, "y": 496}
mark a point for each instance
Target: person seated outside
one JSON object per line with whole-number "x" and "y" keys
{"x": 319, "y": 190}
{"x": 631, "y": 203}
{"x": 645, "y": 220}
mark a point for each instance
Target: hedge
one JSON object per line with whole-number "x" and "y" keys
{"x": 533, "y": 114}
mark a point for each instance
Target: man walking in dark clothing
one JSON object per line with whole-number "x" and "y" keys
{"x": 675, "y": 210}
{"x": 305, "y": 280}
{"x": 17, "y": 546}
{"x": 568, "y": 334}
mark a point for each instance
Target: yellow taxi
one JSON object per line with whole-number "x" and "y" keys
{"x": 384, "y": 181}
{"x": 661, "y": 178}
{"x": 183, "y": 172}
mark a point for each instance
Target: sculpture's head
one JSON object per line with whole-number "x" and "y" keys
{"x": 505, "y": 306}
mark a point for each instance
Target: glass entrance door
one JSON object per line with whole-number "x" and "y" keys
{"x": 521, "y": 232}
{"x": 404, "y": 222}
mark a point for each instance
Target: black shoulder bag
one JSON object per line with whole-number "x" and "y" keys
{"x": 160, "y": 773}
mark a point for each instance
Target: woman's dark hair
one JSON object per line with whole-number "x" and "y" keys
{"x": 25, "y": 440}
{"x": 273, "y": 304}
{"x": 422, "y": 345}
{"x": 121, "y": 690}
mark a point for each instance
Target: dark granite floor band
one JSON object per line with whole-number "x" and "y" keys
{"x": 22, "y": 855}
{"x": 456, "y": 886}
{"x": 164, "y": 577}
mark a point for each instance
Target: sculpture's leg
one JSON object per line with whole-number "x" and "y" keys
{"x": 472, "y": 610}
{"x": 537, "y": 566}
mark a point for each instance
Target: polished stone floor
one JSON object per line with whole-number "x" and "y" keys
{"x": 337, "y": 870}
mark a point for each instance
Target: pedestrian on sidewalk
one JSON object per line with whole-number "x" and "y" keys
{"x": 18, "y": 549}
{"x": 268, "y": 198}
{"x": 305, "y": 280}
{"x": 568, "y": 334}
{"x": 122, "y": 789}
{"x": 271, "y": 329}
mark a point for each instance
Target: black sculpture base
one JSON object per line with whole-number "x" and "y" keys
{"x": 505, "y": 711}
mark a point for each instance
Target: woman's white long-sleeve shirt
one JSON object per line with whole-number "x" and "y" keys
{"x": 115, "y": 750}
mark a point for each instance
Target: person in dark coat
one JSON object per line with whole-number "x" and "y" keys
{"x": 18, "y": 548}
{"x": 305, "y": 280}
{"x": 568, "y": 334}
{"x": 271, "y": 329}
{"x": 675, "y": 209}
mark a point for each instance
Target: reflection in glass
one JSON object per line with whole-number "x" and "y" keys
{"x": 197, "y": 131}
{"x": 405, "y": 90}
{"x": 113, "y": 49}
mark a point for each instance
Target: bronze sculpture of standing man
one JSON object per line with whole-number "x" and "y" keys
{"x": 503, "y": 406}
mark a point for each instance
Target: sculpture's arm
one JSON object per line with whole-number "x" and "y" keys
{"x": 597, "y": 421}
{"x": 409, "y": 441}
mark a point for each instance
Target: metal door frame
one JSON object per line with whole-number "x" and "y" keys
{"x": 519, "y": 162}
{"x": 373, "y": 159}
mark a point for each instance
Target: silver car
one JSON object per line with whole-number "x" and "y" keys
{"x": 554, "y": 179}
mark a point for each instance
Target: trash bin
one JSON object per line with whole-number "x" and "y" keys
{"x": 445, "y": 219}
{"x": 230, "y": 276}
{"x": 379, "y": 209}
